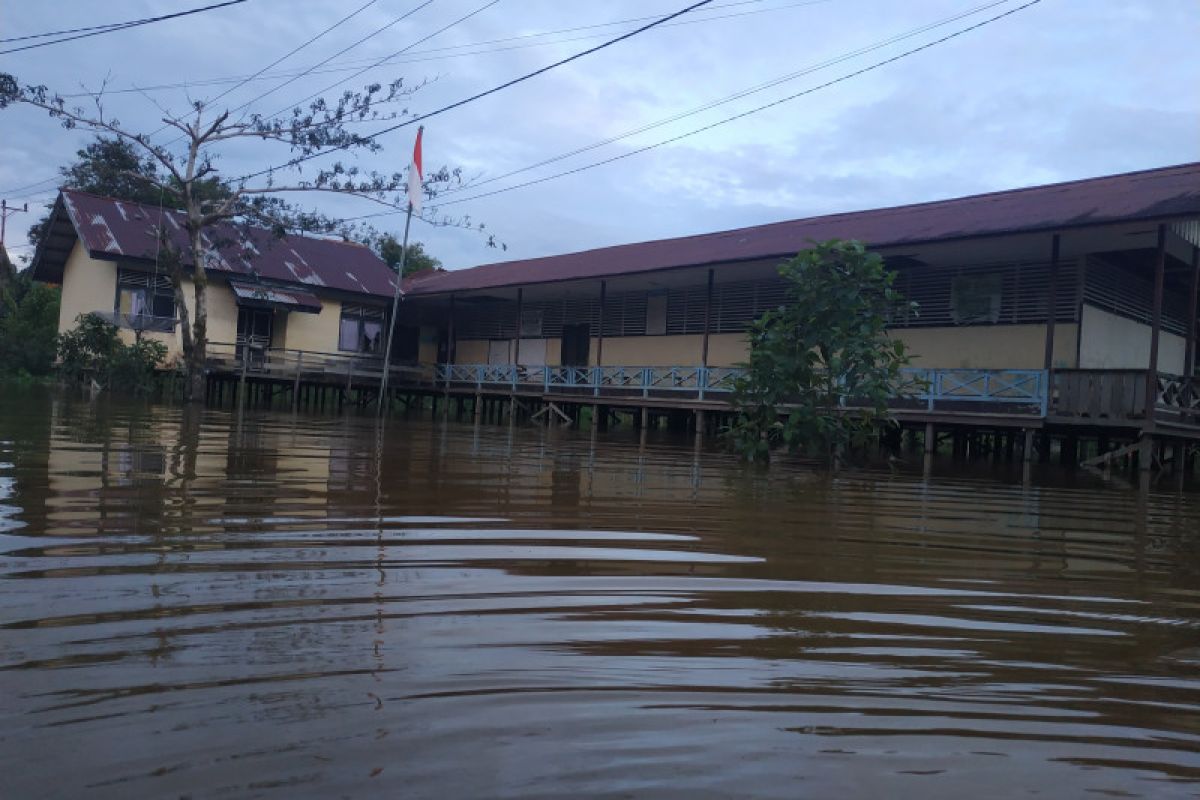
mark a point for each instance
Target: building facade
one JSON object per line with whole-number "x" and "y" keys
{"x": 265, "y": 291}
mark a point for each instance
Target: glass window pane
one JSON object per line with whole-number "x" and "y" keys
{"x": 164, "y": 305}
{"x": 348, "y": 334}
{"x": 132, "y": 301}
{"x": 372, "y": 336}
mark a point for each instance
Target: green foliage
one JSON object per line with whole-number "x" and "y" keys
{"x": 28, "y": 325}
{"x": 822, "y": 367}
{"x": 114, "y": 167}
{"x": 391, "y": 251}
{"x": 92, "y": 350}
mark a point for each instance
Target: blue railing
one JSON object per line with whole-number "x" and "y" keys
{"x": 935, "y": 388}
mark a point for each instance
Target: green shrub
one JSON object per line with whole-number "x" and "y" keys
{"x": 28, "y": 324}
{"x": 93, "y": 350}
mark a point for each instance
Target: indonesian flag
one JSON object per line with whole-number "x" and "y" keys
{"x": 415, "y": 175}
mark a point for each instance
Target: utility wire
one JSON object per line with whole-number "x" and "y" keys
{"x": 68, "y": 30}
{"x": 277, "y": 61}
{"x": 123, "y": 26}
{"x": 346, "y": 66}
{"x": 724, "y": 121}
{"x": 764, "y": 107}
{"x": 294, "y": 50}
{"x": 457, "y": 104}
{"x": 739, "y": 94}
{"x": 345, "y": 49}
{"x": 385, "y": 59}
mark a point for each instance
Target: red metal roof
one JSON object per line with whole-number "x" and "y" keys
{"x": 270, "y": 295}
{"x": 1168, "y": 192}
{"x": 120, "y": 228}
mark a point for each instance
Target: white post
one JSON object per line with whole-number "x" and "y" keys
{"x": 387, "y": 352}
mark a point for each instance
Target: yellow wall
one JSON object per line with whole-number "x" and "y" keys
{"x": 978, "y": 347}
{"x": 427, "y": 348}
{"x": 88, "y": 285}
{"x": 471, "y": 351}
{"x": 316, "y": 332}
{"x": 989, "y": 346}
{"x": 1114, "y": 342}
{"x": 222, "y": 318}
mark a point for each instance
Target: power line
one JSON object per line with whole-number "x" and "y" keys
{"x": 295, "y": 50}
{"x": 60, "y": 33}
{"x": 297, "y": 161}
{"x": 383, "y": 60}
{"x": 726, "y": 120}
{"x": 345, "y": 49}
{"x": 124, "y": 26}
{"x": 279, "y": 60}
{"x": 347, "y": 66}
{"x": 740, "y": 94}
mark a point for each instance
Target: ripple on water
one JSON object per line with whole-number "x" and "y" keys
{"x": 250, "y": 606}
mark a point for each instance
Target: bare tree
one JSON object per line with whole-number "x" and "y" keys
{"x": 190, "y": 180}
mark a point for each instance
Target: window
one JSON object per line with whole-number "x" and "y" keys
{"x": 656, "y": 314}
{"x": 361, "y": 329}
{"x": 976, "y": 298}
{"x": 142, "y": 299}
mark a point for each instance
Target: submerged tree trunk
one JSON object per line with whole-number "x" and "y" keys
{"x": 196, "y": 361}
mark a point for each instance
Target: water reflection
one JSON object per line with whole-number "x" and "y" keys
{"x": 217, "y": 603}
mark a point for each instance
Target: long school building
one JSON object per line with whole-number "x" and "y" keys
{"x": 1071, "y": 304}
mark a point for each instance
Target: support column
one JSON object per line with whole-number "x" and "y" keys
{"x": 708, "y": 298}
{"x": 1160, "y": 265}
{"x": 1189, "y": 362}
{"x": 452, "y": 340}
{"x": 930, "y": 438}
{"x": 516, "y": 355}
{"x": 1052, "y": 307}
{"x": 600, "y": 328}
{"x": 1189, "y": 357}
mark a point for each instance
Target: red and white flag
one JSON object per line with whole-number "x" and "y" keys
{"x": 416, "y": 175}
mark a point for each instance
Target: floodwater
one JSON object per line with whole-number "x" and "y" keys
{"x": 279, "y": 606}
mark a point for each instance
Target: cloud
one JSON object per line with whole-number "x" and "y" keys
{"x": 1062, "y": 90}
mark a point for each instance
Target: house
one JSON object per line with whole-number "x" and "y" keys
{"x": 295, "y": 293}
{"x": 1070, "y": 304}
{"x": 986, "y": 271}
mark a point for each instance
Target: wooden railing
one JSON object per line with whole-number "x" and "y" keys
{"x": 1120, "y": 395}
{"x": 247, "y": 358}
{"x": 1099, "y": 394}
{"x": 1016, "y": 391}
{"x": 1177, "y": 399}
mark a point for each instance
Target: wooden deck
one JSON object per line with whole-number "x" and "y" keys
{"x": 1113, "y": 400}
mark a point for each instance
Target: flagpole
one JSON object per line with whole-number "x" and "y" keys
{"x": 387, "y": 353}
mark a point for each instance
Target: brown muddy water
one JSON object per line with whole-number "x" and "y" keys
{"x": 307, "y": 607}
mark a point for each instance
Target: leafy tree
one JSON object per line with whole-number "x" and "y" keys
{"x": 187, "y": 168}
{"x": 114, "y": 167}
{"x": 391, "y": 250}
{"x": 93, "y": 350}
{"x": 822, "y": 367}
{"x": 28, "y": 326}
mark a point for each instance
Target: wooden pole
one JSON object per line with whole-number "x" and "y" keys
{"x": 296, "y": 381}
{"x": 600, "y": 330}
{"x": 1189, "y": 359}
{"x": 708, "y": 298}
{"x": 1160, "y": 266}
{"x": 387, "y": 351}
{"x": 517, "y": 340}
{"x": 451, "y": 340}
{"x": 1052, "y": 305}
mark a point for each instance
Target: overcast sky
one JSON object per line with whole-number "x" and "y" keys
{"x": 1060, "y": 90}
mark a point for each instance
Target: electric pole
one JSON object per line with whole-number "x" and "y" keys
{"x": 5, "y": 210}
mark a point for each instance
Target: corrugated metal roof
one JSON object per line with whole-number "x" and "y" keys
{"x": 300, "y": 301}
{"x": 122, "y": 228}
{"x": 1168, "y": 192}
